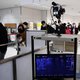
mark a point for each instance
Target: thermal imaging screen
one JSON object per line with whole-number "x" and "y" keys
{"x": 54, "y": 65}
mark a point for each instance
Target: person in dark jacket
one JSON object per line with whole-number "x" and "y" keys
{"x": 25, "y": 25}
{"x": 44, "y": 25}
{"x": 21, "y": 34}
{"x": 47, "y": 27}
{"x": 63, "y": 27}
{"x": 3, "y": 40}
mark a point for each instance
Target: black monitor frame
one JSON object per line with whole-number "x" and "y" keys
{"x": 74, "y": 39}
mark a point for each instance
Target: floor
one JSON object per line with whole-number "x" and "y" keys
{"x": 11, "y": 51}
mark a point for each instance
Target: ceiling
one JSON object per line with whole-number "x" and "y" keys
{"x": 72, "y": 7}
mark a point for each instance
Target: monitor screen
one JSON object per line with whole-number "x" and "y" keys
{"x": 54, "y": 65}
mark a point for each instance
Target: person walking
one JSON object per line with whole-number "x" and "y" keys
{"x": 3, "y": 41}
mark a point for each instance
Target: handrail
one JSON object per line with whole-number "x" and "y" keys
{"x": 20, "y": 55}
{"x": 8, "y": 43}
{"x": 15, "y": 57}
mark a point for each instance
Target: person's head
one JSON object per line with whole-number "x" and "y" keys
{"x": 25, "y": 25}
{"x": 43, "y": 23}
{"x": 21, "y": 28}
{"x": 1, "y": 24}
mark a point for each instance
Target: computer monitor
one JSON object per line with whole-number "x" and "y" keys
{"x": 54, "y": 65}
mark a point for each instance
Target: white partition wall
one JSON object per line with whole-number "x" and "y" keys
{"x": 38, "y": 43}
{"x": 6, "y": 71}
{"x": 24, "y": 68}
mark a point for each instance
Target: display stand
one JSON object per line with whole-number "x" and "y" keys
{"x": 48, "y": 38}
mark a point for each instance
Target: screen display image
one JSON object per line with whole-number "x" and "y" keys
{"x": 57, "y": 65}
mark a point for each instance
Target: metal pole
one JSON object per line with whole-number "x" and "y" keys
{"x": 48, "y": 52}
{"x": 14, "y": 70}
{"x": 75, "y": 57}
{"x": 32, "y": 47}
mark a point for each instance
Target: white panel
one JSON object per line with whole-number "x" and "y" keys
{"x": 22, "y": 2}
{"x": 31, "y": 15}
{"x": 6, "y": 72}
{"x": 16, "y": 14}
{"x": 24, "y": 49}
{"x": 6, "y": 11}
{"x": 1, "y": 12}
{"x": 16, "y": 11}
{"x": 44, "y": 15}
{"x": 37, "y": 43}
{"x": 24, "y": 68}
{"x": 10, "y": 15}
{"x": 37, "y": 1}
{"x": 43, "y": 1}
{"x": 78, "y": 63}
{"x": 46, "y": 2}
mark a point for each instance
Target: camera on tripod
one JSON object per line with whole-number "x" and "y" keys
{"x": 58, "y": 10}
